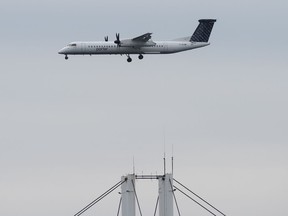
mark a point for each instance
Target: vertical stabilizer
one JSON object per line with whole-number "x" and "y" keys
{"x": 203, "y": 31}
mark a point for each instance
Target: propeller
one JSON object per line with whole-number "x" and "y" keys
{"x": 106, "y": 38}
{"x": 117, "y": 41}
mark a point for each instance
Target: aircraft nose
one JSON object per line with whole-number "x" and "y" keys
{"x": 62, "y": 51}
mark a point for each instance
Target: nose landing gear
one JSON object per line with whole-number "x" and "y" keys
{"x": 66, "y": 57}
{"x": 129, "y": 59}
{"x": 140, "y": 56}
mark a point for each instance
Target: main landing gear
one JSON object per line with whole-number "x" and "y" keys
{"x": 66, "y": 57}
{"x": 129, "y": 59}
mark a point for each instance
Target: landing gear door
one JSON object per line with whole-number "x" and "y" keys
{"x": 81, "y": 47}
{"x": 165, "y": 47}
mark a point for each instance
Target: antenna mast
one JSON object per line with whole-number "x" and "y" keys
{"x": 172, "y": 159}
{"x": 133, "y": 166}
{"x": 164, "y": 151}
{"x": 164, "y": 163}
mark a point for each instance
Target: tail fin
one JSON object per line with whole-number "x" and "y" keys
{"x": 203, "y": 31}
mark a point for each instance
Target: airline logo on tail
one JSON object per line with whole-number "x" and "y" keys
{"x": 203, "y": 31}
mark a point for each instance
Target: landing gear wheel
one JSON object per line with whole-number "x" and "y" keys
{"x": 66, "y": 57}
{"x": 129, "y": 59}
{"x": 140, "y": 56}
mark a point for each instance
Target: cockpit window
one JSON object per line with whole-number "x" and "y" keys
{"x": 73, "y": 44}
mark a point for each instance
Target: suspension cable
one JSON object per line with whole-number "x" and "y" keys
{"x": 174, "y": 197}
{"x": 200, "y": 197}
{"x": 156, "y": 206}
{"x": 137, "y": 198}
{"x": 195, "y": 201}
{"x": 119, "y": 206}
{"x": 100, "y": 198}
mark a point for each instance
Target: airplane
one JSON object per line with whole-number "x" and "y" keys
{"x": 142, "y": 44}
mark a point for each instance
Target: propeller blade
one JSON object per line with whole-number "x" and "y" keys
{"x": 117, "y": 41}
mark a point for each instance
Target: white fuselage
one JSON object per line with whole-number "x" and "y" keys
{"x": 102, "y": 48}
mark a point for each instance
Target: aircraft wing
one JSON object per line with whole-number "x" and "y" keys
{"x": 143, "y": 38}
{"x": 138, "y": 42}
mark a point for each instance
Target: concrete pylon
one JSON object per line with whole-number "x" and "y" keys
{"x": 166, "y": 195}
{"x": 128, "y": 195}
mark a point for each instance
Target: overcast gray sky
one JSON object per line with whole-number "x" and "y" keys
{"x": 70, "y": 129}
